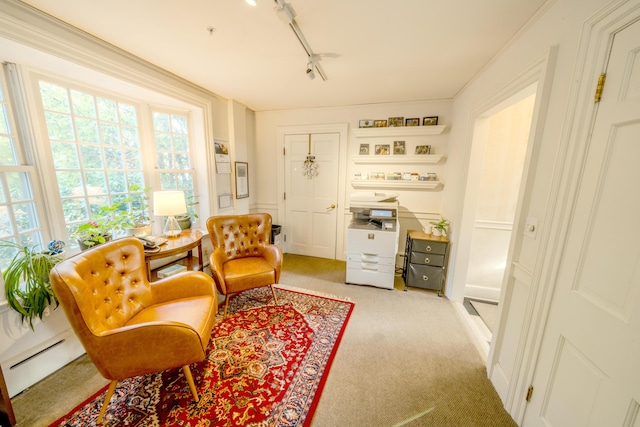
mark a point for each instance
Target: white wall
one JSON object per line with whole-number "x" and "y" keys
{"x": 417, "y": 208}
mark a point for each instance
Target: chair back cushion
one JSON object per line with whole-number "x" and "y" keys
{"x": 103, "y": 287}
{"x": 240, "y": 236}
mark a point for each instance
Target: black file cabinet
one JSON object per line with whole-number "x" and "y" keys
{"x": 425, "y": 261}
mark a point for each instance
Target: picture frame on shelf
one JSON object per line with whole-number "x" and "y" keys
{"x": 412, "y": 122}
{"x": 366, "y": 123}
{"x": 398, "y": 147}
{"x": 364, "y": 149}
{"x": 430, "y": 121}
{"x": 423, "y": 149}
{"x": 395, "y": 122}
{"x": 383, "y": 149}
{"x": 379, "y": 123}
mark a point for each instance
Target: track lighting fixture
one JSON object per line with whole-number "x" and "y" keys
{"x": 250, "y": 2}
{"x": 288, "y": 16}
{"x": 310, "y": 72}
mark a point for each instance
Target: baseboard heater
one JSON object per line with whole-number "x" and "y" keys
{"x": 44, "y": 350}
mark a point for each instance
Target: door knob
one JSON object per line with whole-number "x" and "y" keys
{"x": 332, "y": 206}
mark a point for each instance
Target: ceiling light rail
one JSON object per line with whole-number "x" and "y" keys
{"x": 288, "y": 16}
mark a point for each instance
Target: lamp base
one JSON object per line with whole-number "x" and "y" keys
{"x": 171, "y": 227}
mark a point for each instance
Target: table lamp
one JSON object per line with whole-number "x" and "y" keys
{"x": 170, "y": 204}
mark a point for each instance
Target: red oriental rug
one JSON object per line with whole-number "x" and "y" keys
{"x": 266, "y": 366}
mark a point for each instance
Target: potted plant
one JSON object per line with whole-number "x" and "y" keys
{"x": 440, "y": 228}
{"x": 92, "y": 233}
{"x": 26, "y": 280}
{"x": 135, "y": 218}
{"x": 186, "y": 220}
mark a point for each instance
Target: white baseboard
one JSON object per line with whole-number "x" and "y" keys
{"x": 482, "y": 293}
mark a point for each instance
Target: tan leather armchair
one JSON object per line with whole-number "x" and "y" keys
{"x": 242, "y": 256}
{"x": 129, "y": 326}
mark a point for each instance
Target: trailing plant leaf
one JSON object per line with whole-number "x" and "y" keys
{"x": 27, "y": 284}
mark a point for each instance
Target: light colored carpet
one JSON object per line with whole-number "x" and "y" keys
{"x": 406, "y": 359}
{"x": 488, "y": 312}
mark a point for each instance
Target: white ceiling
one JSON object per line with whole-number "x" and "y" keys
{"x": 372, "y": 51}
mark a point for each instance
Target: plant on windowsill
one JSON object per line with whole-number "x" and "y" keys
{"x": 186, "y": 220}
{"x": 92, "y": 233}
{"x": 26, "y": 280}
{"x": 440, "y": 228}
{"x": 134, "y": 221}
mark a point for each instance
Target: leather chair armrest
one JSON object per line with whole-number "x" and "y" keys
{"x": 182, "y": 285}
{"x": 273, "y": 255}
{"x": 150, "y": 347}
{"x": 216, "y": 260}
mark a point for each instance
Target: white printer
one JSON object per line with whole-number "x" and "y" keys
{"x": 372, "y": 239}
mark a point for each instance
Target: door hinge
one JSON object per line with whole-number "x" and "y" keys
{"x": 285, "y": 196}
{"x": 285, "y": 238}
{"x": 529, "y": 393}
{"x": 284, "y": 151}
{"x": 600, "y": 87}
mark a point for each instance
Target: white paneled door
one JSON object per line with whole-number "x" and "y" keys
{"x": 311, "y": 203}
{"x": 588, "y": 371}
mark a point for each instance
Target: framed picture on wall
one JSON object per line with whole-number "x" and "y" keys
{"x": 364, "y": 149}
{"x": 242, "y": 180}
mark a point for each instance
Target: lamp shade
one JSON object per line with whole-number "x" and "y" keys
{"x": 168, "y": 203}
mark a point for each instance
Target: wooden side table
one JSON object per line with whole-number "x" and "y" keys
{"x": 6, "y": 410}
{"x": 184, "y": 243}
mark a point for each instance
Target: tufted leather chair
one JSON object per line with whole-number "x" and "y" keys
{"x": 127, "y": 325}
{"x": 242, "y": 256}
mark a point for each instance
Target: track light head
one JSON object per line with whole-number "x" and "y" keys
{"x": 310, "y": 72}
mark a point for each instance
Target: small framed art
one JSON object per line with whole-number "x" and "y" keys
{"x": 430, "y": 121}
{"x": 379, "y": 123}
{"x": 364, "y": 149}
{"x": 412, "y": 122}
{"x": 398, "y": 147}
{"x": 383, "y": 149}
{"x": 423, "y": 149}
{"x": 365, "y": 123}
{"x": 396, "y": 121}
{"x": 242, "y": 180}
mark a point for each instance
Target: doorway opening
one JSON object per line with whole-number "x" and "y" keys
{"x": 500, "y": 141}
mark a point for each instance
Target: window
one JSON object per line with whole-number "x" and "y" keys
{"x": 171, "y": 136}
{"x": 19, "y": 221}
{"x": 96, "y": 150}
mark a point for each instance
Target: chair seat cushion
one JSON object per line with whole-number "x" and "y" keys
{"x": 246, "y": 273}
{"x": 194, "y": 312}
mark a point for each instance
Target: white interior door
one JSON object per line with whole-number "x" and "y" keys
{"x": 311, "y": 203}
{"x": 588, "y": 372}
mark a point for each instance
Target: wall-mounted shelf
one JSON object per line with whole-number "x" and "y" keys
{"x": 398, "y": 131}
{"x": 397, "y": 159}
{"x": 406, "y": 185}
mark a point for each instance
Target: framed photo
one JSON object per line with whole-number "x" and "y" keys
{"x": 398, "y": 147}
{"x": 364, "y": 149}
{"x": 396, "y": 121}
{"x": 379, "y": 123}
{"x": 423, "y": 149}
{"x": 430, "y": 121}
{"x": 383, "y": 149}
{"x": 224, "y": 201}
{"x": 366, "y": 123}
{"x": 242, "y": 180}
{"x": 412, "y": 122}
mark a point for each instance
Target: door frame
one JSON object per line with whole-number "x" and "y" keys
{"x": 339, "y": 128}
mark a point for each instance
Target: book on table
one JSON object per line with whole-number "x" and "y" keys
{"x": 171, "y": 270}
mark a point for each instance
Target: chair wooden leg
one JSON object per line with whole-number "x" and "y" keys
{"x": 273, "y": 291}
{"x": 192, "y": 385}
{"x": 226, "y": 304}
{"x": 107, "y": 398}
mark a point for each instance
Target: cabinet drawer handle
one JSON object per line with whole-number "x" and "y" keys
{"x": 428, "y": 249}
{"x": 427, "y": 261}
{"x": 425, "y": 277}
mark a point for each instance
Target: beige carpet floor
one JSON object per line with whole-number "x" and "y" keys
{"x": 406, "y": 359}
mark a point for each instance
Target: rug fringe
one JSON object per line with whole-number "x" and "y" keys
{"x": 311, "y": 292}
